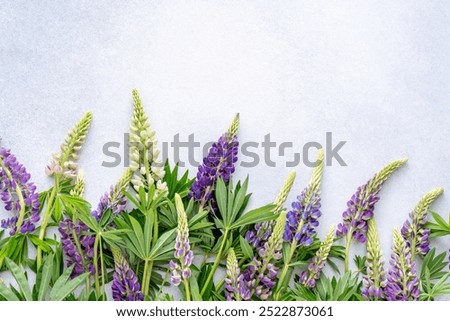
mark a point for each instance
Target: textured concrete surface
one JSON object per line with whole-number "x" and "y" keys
{"x": 374, "y": 74}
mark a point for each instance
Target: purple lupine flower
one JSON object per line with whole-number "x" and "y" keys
{"x": 115, "y": 200}
{"x": 18, "y": 194}
{"x": 219, "y": 163}
{"x": 402, "y": 282}
{"x": 181, "y": 271}
{"x": 414, "y": 230}
{"x": 360, "y": 209}
{"x": 78, "y": 247}
{"x": 302, "y": 220}
{"x": 125, "y": 285}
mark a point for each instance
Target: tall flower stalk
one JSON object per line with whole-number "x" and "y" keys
{"x": 18, "y": 194}
{"x": 259, "y": 235}
{"x": 317, "y": 263}
{"x": 402, "y": 281}
{"x": 148, "y": 172}
{"x": 302, "y": 220}
{"x": 181, "y": 271}
{"x": 260, "y": 276}
{"x": 63, "y": 166}
{"x": 374, "y": 282}
{"x": 414, "y": 230}
{"x": 125, "y": 285}
{"x": 219, "y": 163}
{"x": 235, "y": 288}
{"x": 361, "y": 208}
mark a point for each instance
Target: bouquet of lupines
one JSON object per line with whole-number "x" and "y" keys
{"x": 158, "y": 234}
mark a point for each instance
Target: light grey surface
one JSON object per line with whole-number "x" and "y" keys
{"x": 375, "y": 74}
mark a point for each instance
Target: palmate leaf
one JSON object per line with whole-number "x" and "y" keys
{"x": 434, "y": 265}
{"x": 63, "y": 287}
{"x": 440, "y": 227}
{"x": 176, "y": 185}
{"x": 21, "y": 279}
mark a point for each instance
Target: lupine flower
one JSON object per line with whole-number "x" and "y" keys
{"x": 115, "y": 200}
{"x": 181, "y": 271}
{"x": 302, "y": 220}
{"x": 219, "y": 163}
{"x": 260, "y": 276}
{"x": 374, "y": 281}
{"x": 414, "y": 230}
{"x": 362, "y": 204}
{"x": 64, "y": 162}
{"x": 125, "y": 285}
{"x": 403, "y": 282}
{"x": 18, "y": 194}
{"x": 262, "y": 231}
{"x": 234, "y": 284}
{"x": 78, "y": 246}
{"x": 144, "y": 153}
{"x": 317, "y": 263}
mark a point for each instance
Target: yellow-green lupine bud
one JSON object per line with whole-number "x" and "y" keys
{"x": 284, "y": 192}
{"x": 317, "y": 263}
{"x": 78, "y": 188}
{"x": 414, "y": 230}
{"x": 234, "y": 127}
{"x": 375, "y": 279}
{"x": 275, "y": 242}
{"x": 232, "y": 277}
{"x": 122, "y": 184}
{"x": 316, "y": 178}
{"x": 75, "y": 139}
{"x": 182, "y": 217}
{"x": 386, "y": 172}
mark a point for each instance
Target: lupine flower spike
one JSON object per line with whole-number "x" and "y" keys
{"x": 260, "y": 276}
{"x": 234, "y": 287}
{"x": 181, "y": 271}
{"x": 302, "y": 220}
{"x": 361, "y": 207}
{"x": 219, "y": 163}
{"x": 125, "y": 285}
{"x": 18, "y": 194}
{"x": 374, "y": 281}
{"x": 402, "y": 282}
{"x": 317, "y": 263}
{"x": 64, "y": 162}
{"x": 262, "y": 231}
{"x": 115, "y": 199}
{"x": 414, "y": 230}
{"x": 144, "y": 153}
{"x": 77, "y": 245}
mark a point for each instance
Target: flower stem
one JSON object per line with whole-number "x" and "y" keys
{"x": 216, "y": 263}
{"x": 148, "y": 265}
{"x": 96, "y": 276}
{"x": 285, "y": 269}
{"x": 102, "y": 267}
{"x": 186, "y": 288}
{"x": 347, "y": 250}
{"x": 46, "y": 219}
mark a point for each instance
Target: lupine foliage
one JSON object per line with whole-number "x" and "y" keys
{"x": 158, "y": 228}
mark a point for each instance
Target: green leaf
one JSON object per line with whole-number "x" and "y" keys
{"x": 39, "y": 243}
{"x": 257, "y": 215}
{"x": 221, "y": 197}
{"x": 245, "y": 247}
{"x": 45, "y": 277}
{"x": 63, "y": 288}
{"x": 163, "y": 241}
{"x": 195, "y": 292}
{"x": 7, "y": 293}
{"x": 21, "y": 279}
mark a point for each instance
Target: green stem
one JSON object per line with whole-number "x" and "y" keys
{"x": 83, "y": 261}
{"x": 148, "y": 265}
{"x": 186, "y": 289}
{"x": 216, "y": 263}
{"x": 347, "y": 250}
{"x": 102, "y": 267}
{"x": 46, "y": 219}
{"x": 285, "y": 269}
{"x": 162, "y": 284}
{"x": 96, "y": 275}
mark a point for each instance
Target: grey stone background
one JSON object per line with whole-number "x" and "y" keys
{"x": 375, "y": 74}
